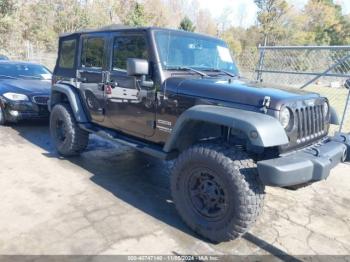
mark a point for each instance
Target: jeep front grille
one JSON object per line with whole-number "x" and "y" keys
{"x": 40, "y": 100}
{"x": 311, "y": 123}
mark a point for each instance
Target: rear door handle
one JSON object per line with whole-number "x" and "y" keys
{"x": 82, "y": 79}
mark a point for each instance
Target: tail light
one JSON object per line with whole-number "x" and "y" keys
{"x": 108, "y": 89}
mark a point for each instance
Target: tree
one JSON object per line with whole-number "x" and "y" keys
{"x": 187, "y": 25}
{"x": 205, "y": 23}
{"x": 7, "y": 8}
{"x": 270, "y": 16}
{"x": 137, "y": 17}
{"x": 160, "y": 16}
{"x": 326, "y": 23}
{"x": 233, "y": 43}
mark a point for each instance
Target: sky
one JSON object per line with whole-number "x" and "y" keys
{"x": 243, "y": 12}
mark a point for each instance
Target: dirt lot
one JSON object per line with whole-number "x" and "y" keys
{"x": 113, "y": 200}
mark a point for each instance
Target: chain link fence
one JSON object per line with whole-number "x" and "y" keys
{"x": 247, "y": 62}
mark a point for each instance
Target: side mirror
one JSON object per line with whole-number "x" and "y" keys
{"x": 137, "y": 67}
{"x": 347, "y": 84}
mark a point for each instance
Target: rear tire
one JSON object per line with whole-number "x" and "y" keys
{"x": 216, "y": 191}
{"x": 68, "y": 138}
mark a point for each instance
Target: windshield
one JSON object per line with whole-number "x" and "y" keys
{"x": 24, "y": 71}
{"x": 178, "y": 50}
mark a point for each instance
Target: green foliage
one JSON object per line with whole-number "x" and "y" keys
{"x": 6, "y": 7}
{"x": 187, "y": 25}
{"x": 270, "y": 16}
{"x": 325, "y": 23}
{"x": 233, "y": 43}
{"x": 137, "y": 17}
{"x": 38, "y": 23}
{"x": 321, "y": 22}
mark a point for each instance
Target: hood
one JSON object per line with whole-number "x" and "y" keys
{"x": 238, "y": 91}
{"x": 26, "y": 87}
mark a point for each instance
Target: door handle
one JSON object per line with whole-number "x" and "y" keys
{"x": 79, "y": 78}
{"x": 88, "y": 71}
{"x": 82, "y": 79}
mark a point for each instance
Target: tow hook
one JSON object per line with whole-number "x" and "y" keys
{"x": 345, "y": 139}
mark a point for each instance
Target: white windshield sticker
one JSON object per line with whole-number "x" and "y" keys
{"x": 224, "y": 54}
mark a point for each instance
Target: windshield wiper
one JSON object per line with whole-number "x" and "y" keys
{"x": 11, "y": 77}
{"x": 220, "y": 71}
{"x": 188, "y": 69}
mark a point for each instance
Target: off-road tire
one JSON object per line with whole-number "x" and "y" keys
{"x": 2, "y": 117}
{"x": 239, "y": 180}
{"x": 73, "y": 140}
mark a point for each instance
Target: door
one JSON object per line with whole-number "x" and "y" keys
{"x": 130, "y": 105}
{"x": 91, "y": 74}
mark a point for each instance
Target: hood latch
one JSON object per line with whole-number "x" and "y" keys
{"x": 265, "y": 104}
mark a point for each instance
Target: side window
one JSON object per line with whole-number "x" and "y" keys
{"x": 125, "y": 47}
{"x": 92, "y": 53}
{"x": 67, "y": 54}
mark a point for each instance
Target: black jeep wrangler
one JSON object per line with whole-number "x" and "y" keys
{"x": 177, "y": 95}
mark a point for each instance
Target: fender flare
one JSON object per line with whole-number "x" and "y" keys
{"x": 73, "y": 98}
{"x": 268, "y": 129}
{"x": 334, "y": 116}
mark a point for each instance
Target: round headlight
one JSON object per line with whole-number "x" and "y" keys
{"x": 285, "y": 117}
{"x": 325, "y": 109}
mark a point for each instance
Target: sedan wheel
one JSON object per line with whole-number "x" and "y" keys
{"x": 2, "y": 117}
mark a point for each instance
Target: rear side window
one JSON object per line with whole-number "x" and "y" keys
{"x": 125, "y": 47}
{"x": 67, "y": 54}
{"x": 92, "y": 54}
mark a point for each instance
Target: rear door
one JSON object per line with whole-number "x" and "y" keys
{"x": 92, "y": 72}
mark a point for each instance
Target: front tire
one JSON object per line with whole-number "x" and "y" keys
{"x": 68, "y": 138}
{"x": 216, "y": 191}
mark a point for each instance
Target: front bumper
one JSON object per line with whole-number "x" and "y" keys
{"x": 16, "y": 111}
{"x": 308, "y": 165}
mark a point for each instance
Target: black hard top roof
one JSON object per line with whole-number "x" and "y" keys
{"x": 118, "y": 27}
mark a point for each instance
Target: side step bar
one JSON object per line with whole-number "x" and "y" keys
{"x": 153, "y": 150}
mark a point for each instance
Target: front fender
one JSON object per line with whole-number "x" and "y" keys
{"x": 73, "y": 99}
{"x": 334, "y": 117}
{"x": 268, "y": 129}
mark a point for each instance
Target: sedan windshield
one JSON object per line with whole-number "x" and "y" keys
{"x": 24, "y": 71}
{"x": 179, "y": 50}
